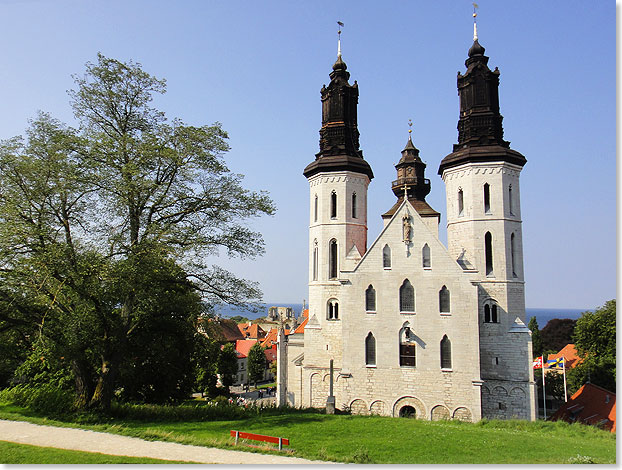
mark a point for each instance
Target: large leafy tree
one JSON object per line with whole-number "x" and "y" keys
{"x": 256, "y": 363}
{"x": 104, "y": 230}
{"x": 227, "y": 365}
{"x": 536, "y": 337}
{"x": 556, "y": 334}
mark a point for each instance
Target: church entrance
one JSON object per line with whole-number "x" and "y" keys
{"x": 408, "y": 412}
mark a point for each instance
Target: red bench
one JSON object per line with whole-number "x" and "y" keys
{"x": 281, "y": 441}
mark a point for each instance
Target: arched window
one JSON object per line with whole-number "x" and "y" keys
{"x": 510, "y": 205}
{"x": 407, "y": 297}
{"x": 407, "y": 346}
{"x": 332, "y": 259}
{"x": 315, "y": 259}
{"x": 370, "y": 299}
{"x": 386, "y": 257}
{"x": 426, "y": 257}
{"x": 491, "y": 314}
{"x": 370, "y": 350}
{"x": 315, "y": 204}
{"x": 354, "y": 205}
{"x": 487, "y": 198}
{"x": 460, "y": 202}
{"x": 443, "y": 300}
{"x": 488, "y": 250}
{"x": 333, "y": 205}
{"x": 332, "y": 310}
{"x": 513, "y": 255}
{"x": 445, "y": 353}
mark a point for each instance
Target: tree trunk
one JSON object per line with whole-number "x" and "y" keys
{"x": 102, "y": 396}
{"x": 83, "y": 382}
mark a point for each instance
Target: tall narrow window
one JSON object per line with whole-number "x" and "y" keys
{"x": 425, "y": 256}
{"x": 494, "y": 318}
{"x": 407, "y": 297}
{"x": 333, "y": 205}
{"x": 354, "y": 205}
{"x": 370, "y": 350}
{"x": 513, "y": 255}
{"x": 445, "y": 353}
{"x": 386, "y": 257}
{"x": 491, "y": 312}
{"x": 315, "y": 203}
{"x": 315, "y": 259}
{"x": 407, "y": 347}
{"x": 460, "y": 202}
{"x": 486, "y": 313}
{"x": 510, "y": 205}
{"x": 488, "y": 250}
{"x": 487, "y": 198}
{"x": 332, "y": 310}
{"x": 443, "y": 300}
{"x": 370, "y": 299}
{"x": 332, "y": 261}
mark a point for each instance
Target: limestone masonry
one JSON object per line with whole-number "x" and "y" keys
{"x": 414, "y": 328}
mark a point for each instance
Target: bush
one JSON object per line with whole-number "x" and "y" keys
{"x": 48, "y": 399}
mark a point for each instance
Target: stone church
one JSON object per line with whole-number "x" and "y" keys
{"x": 406, "y": 326}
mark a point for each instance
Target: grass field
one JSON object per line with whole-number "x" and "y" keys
{"x": 374, "y": 439}
{"x": 25, "y": 454}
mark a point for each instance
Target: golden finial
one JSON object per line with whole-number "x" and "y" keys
{"x": 475, "y": 7}
{"x": 339, "y": 38}
{"x": 410, "y": 125}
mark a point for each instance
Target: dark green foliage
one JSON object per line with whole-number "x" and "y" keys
{"x": 536, "y": 337}
{"x": 239, "y": 319}
{"x": 227, "y": 365}
{"x": 256, "y": 363}
{"x": 595, "y": 341}
{"x": 556, "y": 334}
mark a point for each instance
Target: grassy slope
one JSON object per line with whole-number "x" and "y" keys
{"x": 383, "y": 440}
{"x": 26, "y": 454}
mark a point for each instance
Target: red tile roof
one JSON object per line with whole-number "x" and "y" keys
{"x": 591, "y": 404}
{"x": 569, "y": 353}
{"x": 222, "y": 329}
{"x": 250, "y": 330}
{"x": 270, "y": 338}
{"x": 301, "y": 327}
{"x": 271, "y": 353}
{"x": 243, "y": 346}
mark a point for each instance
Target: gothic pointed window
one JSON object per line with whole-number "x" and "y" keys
{"x": 332, "y": 259}
{"x": 386, "y": 257}
{"x": 425, "y": 256}
{"x": 354, "y": 205}
{"x": 513, "y": 255}
{"x": 370, "y": 299}
{"x": 370, "y": 350}
{"x": 407, "y": 297}
{"x": 407, "y": 346}
{"x": 488, "y": 252}
{"x": 487, "y": 198}
{"x": 443, "y": 300}
{"x": 332, "y": 309}
{"x": 510, "y": 204}
{"x": 445, "y": 353}
{"x": 315, "y": 259}
{"x": 460, "y": 202}
{"x": 333, "y": 205}
{"x": 315, "y": 204}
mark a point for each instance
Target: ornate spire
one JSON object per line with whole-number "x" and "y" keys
{"x": 339, "y": 135}
{"x": 480, "y": 126}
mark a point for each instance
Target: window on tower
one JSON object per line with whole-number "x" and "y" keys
{"x": 491, "y": 312}
{"x": 445, "y": 353}
{"x": 487, "y": 198}
{"x": 332, "y": 261}
{"x": 460, "y": 202}
{"x": 315, "y": 259}
{"x": 407, "y": 346}
{"x": 370, "y": 350}
{"x": 488, "y": 253}
{"x": 426, "y": 257}
{"x": 370, "y": 299}
{"x": 407, "y": 297}
{"x": 315, "y": 204}
{"x": 354, "y": 205}
{"x": 443, "y": 300}
{"x": 513, "y": 255}
{"x": 386, "y": 257}
{"x": 333, "y": 205}
{"x": 510, "y": 205}
{"x": 332, "y": 310}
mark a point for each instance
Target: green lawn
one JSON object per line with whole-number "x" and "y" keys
{"x": 374, "y": 439}
{"x": 26, "y": 454}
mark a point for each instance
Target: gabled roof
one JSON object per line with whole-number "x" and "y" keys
{"x": 250, "y": 330}
{"x": 270, "y": 338}
{"x": 592, "y": 405}
{"x": 243, "y": 346}
{"x": 569, "y": 352}
{"x": 270, "y": 354}
{"x": 222, "y": 329}
{"x": 301, "y": 327}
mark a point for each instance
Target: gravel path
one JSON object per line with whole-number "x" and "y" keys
{"x": 112, "y": 444}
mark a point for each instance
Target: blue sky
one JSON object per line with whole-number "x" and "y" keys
{"x": 258, "y": 66}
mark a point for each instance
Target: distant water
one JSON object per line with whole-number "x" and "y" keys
{"x": 543, "y": 315}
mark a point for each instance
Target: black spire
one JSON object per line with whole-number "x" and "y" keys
{"x": 412, "y": 181}
{"x": 339, "y": 135}
{"x": 480, "y": 129}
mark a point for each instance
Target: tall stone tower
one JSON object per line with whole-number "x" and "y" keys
{"x": 484, "y": 234}
{"x": 338, "y": 180}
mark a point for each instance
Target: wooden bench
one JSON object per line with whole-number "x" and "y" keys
{"x": 281, "y": 441}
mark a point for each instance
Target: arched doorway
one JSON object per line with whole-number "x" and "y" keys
{"x": 408, "y": 412}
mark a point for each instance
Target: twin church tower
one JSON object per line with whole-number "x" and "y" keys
{"x": 407, "y": 326}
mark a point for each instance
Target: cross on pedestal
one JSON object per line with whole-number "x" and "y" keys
{"x": 406, "y": 188}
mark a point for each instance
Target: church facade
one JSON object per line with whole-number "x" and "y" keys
{"x": 407, "y": 326}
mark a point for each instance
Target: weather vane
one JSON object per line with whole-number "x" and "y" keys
{"x": 410, "y": 127}
{"x": 339, "y": 38}
{"x": 475, "y": 7}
